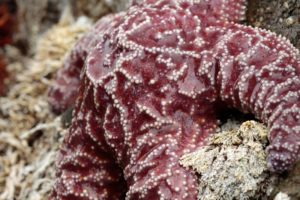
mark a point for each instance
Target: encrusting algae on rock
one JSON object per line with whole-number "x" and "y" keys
{"x": 233, "y": 164}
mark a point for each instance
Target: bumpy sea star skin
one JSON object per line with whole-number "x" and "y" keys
{"x": 150, "y": 91}
{"x": 64, "y": 91}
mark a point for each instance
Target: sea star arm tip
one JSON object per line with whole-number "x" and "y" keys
{"x": 259, "y": 73}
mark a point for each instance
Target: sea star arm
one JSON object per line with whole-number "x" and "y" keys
{"x": 64, "y": 90}
{"x": 146, "y": 144}
{"x": 211, "y": 11}
{"x": 86, "y": 168}
{"x": 259, "y": 73}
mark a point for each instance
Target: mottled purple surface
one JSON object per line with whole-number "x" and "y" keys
{"x": 150, "y": 90}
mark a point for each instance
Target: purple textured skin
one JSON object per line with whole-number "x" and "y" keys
{"x": 149, "y": 93}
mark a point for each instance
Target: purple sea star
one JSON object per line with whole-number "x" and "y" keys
{"x": 153, "y": 81}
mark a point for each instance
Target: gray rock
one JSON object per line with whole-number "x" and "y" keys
{"x": 233, "y": 164}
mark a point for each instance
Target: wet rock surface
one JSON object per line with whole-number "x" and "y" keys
{"x": 280, "y": 16}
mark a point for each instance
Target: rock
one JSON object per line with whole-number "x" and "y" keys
{"x": 233, "y": 164}
{"x": 289, "y": 184}
{"x": 282, "y": 196}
